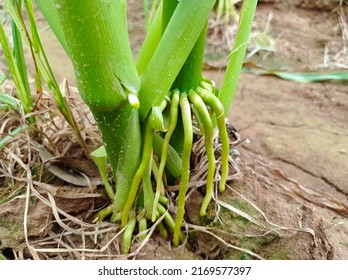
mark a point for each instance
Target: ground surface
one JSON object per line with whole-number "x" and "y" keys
{"x": 295, "y": 168}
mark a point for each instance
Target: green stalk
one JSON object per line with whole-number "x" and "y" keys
{"x": 106, "y": 74}
{"x": 120, "y": 128}
{"x": 100, "y": 53}
{"x": 156, "y": 117}
{"x": 229, "y": 84}
{"x": 155, "y": 5}
{"x": 185, "y": 177}
{"x": 102, "y": 214}
{"x": 34, "y": 45}
{"x": 162, "y": 230}
{"x": 219, "y": 9}
{"x": 116, "y": 216}
{"x": 163, "y": 200}
{"x": 149, "y": 12}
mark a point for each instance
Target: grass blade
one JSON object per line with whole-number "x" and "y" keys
{"x": 229, "y": 84}
{"x": 310, "y": 77}
{"x": 18, "y": 52}
{"x": 50, "y": 12}
{"x": 151, "y": 41}
{"x": 42, "y": 62}
{"x": 23, "y": 94}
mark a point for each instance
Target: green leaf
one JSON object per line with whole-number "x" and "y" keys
{"x": 172, "y": 51}
{"x": 121, "y": 134}
{"x": 18, "y": 52}
{"x": 310, "y": 77}
{"x": 50, "y": 12}
{"x": 151, "y": 41}
{"x": 300, "y": 77}
{"x": 229, "y": 84}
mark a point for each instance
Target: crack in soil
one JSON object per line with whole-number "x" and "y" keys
{"x": 321, "y": 177}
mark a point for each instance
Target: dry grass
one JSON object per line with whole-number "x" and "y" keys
{"x": 64, "y": 235}
{"x": 66, "y": 228}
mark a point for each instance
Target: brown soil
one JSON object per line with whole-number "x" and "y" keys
{"x": 294, "y": 169}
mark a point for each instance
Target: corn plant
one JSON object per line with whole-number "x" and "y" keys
{"x": 144, "y": 109}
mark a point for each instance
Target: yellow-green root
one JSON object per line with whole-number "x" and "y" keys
{"x": 147, "y": 152}
{"x": 171, "y": 128}
{"x": 116, "y": 217}
{"x": 185, "y": 177}
{"x": 127, "y": 236}
{"x": 163, "y": 200}
{"x": 147, "y": 189}
{"x": 210, "y": 99}
{"x": 162, "y": 230}
{"x": 142, "y": 225}
{"x": 202, "y": 110}
{"x": 102, "y": 214}
{"x": 169, "y": 220}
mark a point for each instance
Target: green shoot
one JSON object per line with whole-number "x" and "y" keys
{"x": 100, "y": 158}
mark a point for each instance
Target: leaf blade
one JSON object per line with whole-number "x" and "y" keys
{"x": 172, "y": 52}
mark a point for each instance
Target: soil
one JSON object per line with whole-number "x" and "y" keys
{"x": 295, "y": 168}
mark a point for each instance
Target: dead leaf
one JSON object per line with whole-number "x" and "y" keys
{"x": 79, "y": 172}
